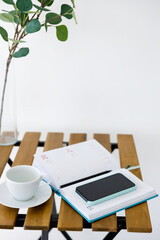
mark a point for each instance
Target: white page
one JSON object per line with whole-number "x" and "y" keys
{"x": 44, "y": 173}
{"x": 76, "y": 161}
{"x": 141, "y": 193}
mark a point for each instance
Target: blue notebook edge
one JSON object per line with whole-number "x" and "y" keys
{"x": 90, "y": 221}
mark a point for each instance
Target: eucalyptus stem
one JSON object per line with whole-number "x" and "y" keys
{"x": 11, "y": 51}
{"x": 4, "y": 89}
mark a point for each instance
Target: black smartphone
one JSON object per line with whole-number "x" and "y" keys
{"x": 105, "y": 188}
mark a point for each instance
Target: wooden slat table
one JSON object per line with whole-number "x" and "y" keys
{"x": 44, "y": 217}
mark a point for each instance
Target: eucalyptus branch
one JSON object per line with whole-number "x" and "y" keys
{"x": 17, "y": 13}
{"x": 28, "y": 24}
{"x": 16, "y": 30}
{"x": 38, "y": 15}
{"x": 44, "y": 2}
{"x": 34, "y": 15}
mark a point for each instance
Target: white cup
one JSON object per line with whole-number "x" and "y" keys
{"x": 23, "y": 181}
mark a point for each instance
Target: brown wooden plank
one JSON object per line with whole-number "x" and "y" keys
{"x": 77, "y": 138}
{"x": 5, "y": 152}
{"x": 104, "y": 140}
{"x": 27, "y": 149}
{"x": 109, "y": 223}
{"x": 38, "y": 218}
{"x": 4, "y": 156}
{"x": 137, "y": 217}
{"x": 24, "y": 156}
{"x": 69, "y": 219}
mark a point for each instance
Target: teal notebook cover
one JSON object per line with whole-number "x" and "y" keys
{"x": 93, "y": 220}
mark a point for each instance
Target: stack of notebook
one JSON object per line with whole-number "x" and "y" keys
{"x": 88, "y": 178}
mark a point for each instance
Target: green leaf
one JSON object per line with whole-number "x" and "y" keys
{"x": 45, "y": 3}
{"x": 45, "y": 25}
{"x": 33, "y": 26}
{"x": 21, "y": 53}
{"x": 6, "y": 17}
{"x": 16, "y": 41}
{"x": 4, "y": 34}
{"x": 62, "y": 32}
{"x": 24, "y": 5}
{"x": 40, "y": 8}
{"x": 74, "y": 16}
{"x": 73, "y": 3}
{"x": 23, "y": 17}
{"x": 9, "y": 2}
{"x": 5, "y": 11}
{"x": 14, "y": 14}
{"x": 66, "y": 11}
{"x": 53, "y": 18}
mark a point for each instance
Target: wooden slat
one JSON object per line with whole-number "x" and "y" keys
{"x": 4, "y": 156}
{"x": 38, "y": 218}
{"x": 27, "y": 149}
{"x": 77, "y": 138}
{"x": 109, "y": 223}
{"x": 137, "y": 217}
{"x": 24, "y": 156}
{"x": 104, "y": 140}
{"x": 5, "y": 151}
{"x": 69, "y": 219}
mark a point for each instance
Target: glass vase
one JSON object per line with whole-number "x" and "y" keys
{"x": 8, "y": 122}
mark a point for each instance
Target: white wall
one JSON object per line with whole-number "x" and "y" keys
{"x": 105, "y": 78}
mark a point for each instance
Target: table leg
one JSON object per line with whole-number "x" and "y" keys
{"x": 10, "y": 162}
{"x": 44, "y": 235}
{"x": 111, "y": 235}
{"x": 54, "y": 212}
{"x": 65, "y": 234}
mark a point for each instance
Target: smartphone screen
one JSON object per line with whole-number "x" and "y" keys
{"x": 112, "y": 185}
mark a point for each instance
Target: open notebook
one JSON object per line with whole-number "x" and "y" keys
{"x": 71, "y": 166}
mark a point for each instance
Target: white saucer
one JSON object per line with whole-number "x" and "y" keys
{"x": 41, "y": 196}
